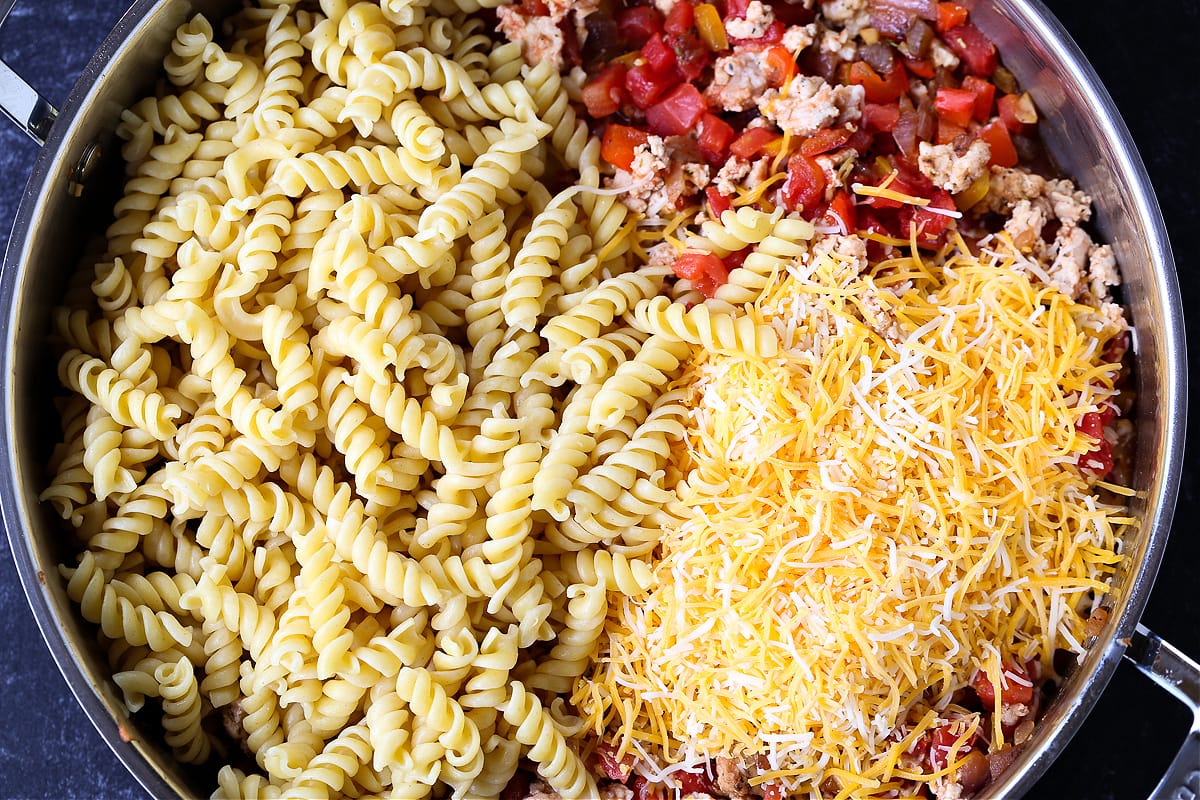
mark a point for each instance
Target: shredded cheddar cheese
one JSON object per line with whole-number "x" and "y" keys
{"x": 870, "y": 520}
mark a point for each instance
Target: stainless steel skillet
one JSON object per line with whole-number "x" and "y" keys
{"x": 1084, "y": 132}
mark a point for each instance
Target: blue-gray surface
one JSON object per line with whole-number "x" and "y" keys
{"x": 48, "y": 748}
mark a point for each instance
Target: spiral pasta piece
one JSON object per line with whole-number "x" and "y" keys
{"x": 561, "y": 768}
{"x": 699, "y": 325}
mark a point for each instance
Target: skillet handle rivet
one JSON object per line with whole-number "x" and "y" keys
{"x": 83, "y": 169}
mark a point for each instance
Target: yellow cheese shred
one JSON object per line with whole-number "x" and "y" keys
{"x": 886, "y": 506}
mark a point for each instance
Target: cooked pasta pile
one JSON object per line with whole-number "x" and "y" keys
{"x": 359, "y": 447}
{"x": 885, "y": 506}
{"x": 378, "y": 413}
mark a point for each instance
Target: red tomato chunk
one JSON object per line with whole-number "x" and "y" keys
{"x": 678, "y": 112}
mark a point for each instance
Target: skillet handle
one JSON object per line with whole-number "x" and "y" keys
{"x": 19, "y": 101}
{"x": 1171, "y": 669}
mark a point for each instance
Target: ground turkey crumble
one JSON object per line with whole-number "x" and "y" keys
{"x": 811, "y": 103}
{"x": 739, "y": 80}
{"x": 758, "y": 18}
{"x": 663, "y": 175}
{"x": 953, "y": 167}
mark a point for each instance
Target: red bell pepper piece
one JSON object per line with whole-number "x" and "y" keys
{"x": 1018, "y": 113}
{"x": 841, "y": 212}
{"x": 804, "y": 186}
{"x": 879, "y": 89}
{"x": 824, "y": 140}
{"x": 752, "y": 142}
{"x": 678, "y": 112}
{"x": 956, "y": 106}
{"x": 713, "y": 138}
{"x": 637, "y": 24}
{"x": 921, "y": 67}
{"x": 950, "y": 15}
{"x": 1004, "y": 154}
{"x": 947, "y": 132}
{"x": 985, "y": 95}
{"x": 619, "y": 142}
{"x": 974, "y": 48}
{"x": 783, "y": 66}
{"x": 604, "y": 94}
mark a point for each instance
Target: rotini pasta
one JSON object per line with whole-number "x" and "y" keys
{"x": 371, "y": 407}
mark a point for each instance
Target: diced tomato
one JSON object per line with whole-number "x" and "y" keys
{"x": 974, "y": 48}
{"x": 772, "y": 35}
{"x": 930, "y": 226}
{"x": 737, "y": 258}
{"x": 619, "y": 769}
{"x": 774, "y": 790}
{"x": 752, "y": 142}
{"x": 736, "y": 9}
{"x": 950, "y": 15}
{"x": 985, "y": 95}
{"x": 783, "y": 66}
{"x": 635, "y": 25}
{"x": 718, "y": 203}
{"x": 643, "y": 790}
{"x": 900, "y": 183}
{"x": 645, "y": 85}
{"x": 877, "y": 88}
{"x": 1099, "y": 462}
{"x": 804, "y": 186}
{"x": 956, "y": 106}
{"x": 619, "y": 142}
{"x": 1018, "y": 688}
{"x": 713, "y": 138}
{"x": 604, "y": 94}
{"x": 918, "y": 747}
{"x": 1004, "y": 154}
{"x": 880, "y": 117}
{"x": 680, "y": 18}
{"x": 705, "y": 271}
{"x": 1115, "y": 349}
{"x": 841, "y": 212}
{"x": 695, "y": 783}
{"x": 659, "y": 55}
{"x": 942, "y": 743}
{"x": 678, "y": 112}
{"x": 691, "y": 56}
{"x": 824, "y": 140}
{"x": 1017, "y": 112}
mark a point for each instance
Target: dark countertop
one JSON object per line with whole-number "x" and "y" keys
{"x": 49, "y": 749}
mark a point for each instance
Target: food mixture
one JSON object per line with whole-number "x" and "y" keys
{"x": 593, "y": 400}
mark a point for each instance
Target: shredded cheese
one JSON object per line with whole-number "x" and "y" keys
{"x": 870, "y": 521}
